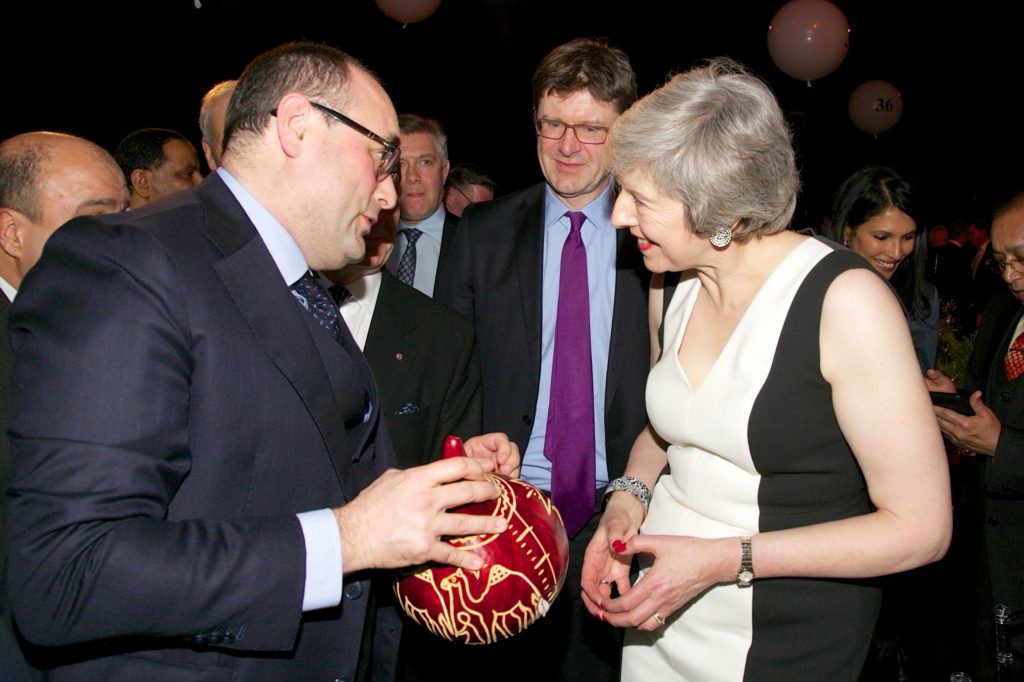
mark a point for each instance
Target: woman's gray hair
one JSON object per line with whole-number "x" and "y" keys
{"x": 715, "y": 138}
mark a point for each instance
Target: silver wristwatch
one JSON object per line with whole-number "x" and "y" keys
{"x": 745, "y": 576}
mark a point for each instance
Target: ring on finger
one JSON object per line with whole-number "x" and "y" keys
{"x": 603, "y": 582}
{"x": 658, "y": 619}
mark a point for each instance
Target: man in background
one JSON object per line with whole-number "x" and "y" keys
{"x": 541, "y": 272}
{"x": 45, "y": 180}
{"x": 467, "y": 185}
{"x": 423, "y": 355}
{"x": 211, "y": 121}
{"x": 425, "y": 229}
{"x": 995, "y": 379}
{"x": 157, "y": 162}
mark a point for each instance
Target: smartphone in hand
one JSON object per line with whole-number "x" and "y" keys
{"x": 958, "y": 402}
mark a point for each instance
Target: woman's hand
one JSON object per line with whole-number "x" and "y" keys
{"x": 934, "y": 380}
{"x": 602, "y": 565}
{"x": 683, "y": 568}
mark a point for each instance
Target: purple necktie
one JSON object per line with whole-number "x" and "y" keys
{"x": 569, "y": 441}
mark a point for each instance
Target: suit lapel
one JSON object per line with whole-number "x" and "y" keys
{"x": 1010, "y": 317}
{"x": 447, "y": 235}
{"x": 529, "y": 255}
{"x": 255, "y": 285}
{"x": 630, "y": 296}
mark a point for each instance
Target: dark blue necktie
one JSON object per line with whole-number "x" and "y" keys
{"x": 312, "y": 296}
{"x": 406, "y": 272}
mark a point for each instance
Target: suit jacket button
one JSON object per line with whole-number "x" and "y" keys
{"x": 528, "y": 420}
{"x": 353, "y": 590}
{"x": 1006, "y": 396}
{"x": 993, "y": 523}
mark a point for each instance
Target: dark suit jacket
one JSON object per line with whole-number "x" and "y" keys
{"x": 13, "y": 667}
{"x": 175, "y": 408}
{"x": 1003, "y": 475}
{"x": 451, "y": 222}
{"x": 496, "y": 281}
{"x": 424, "y": 358}
{"x": 6, "y": 362}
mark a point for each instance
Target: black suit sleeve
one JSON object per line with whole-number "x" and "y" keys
{"x": 103, "y": 380}
{"x": 460, "y": 412}
{"x": 455, "y": 288}
{"x": 1005, "y": 471}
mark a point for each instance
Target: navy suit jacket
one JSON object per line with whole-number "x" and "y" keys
{"x": 175, "y": 408}
{"x": 424, "y": 359}
{"x": 495, "y": 278}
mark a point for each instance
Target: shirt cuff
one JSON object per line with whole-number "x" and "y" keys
{"x": 323, "y": 560}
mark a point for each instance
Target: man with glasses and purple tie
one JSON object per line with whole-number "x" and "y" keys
{"x": 559, "y": 302}
{"x": 202, "y": 484}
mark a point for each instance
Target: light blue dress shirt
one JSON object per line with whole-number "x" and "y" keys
{"x": 599, "y": 238}
{"x": 319, "y": 528}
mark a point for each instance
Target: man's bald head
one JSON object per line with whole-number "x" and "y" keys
{"x": 45, "y": 180}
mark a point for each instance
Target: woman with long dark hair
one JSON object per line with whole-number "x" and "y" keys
{"x": 873, "y": 214}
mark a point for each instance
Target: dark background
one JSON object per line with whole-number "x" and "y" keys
{"x": 101, "y": 69}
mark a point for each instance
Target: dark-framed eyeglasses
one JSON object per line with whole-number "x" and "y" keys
{"x": 553, "y": 129}
{"x": 389, "y": 157}
{"x": 458, "y": 189}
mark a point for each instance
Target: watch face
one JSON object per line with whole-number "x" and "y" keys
{"x": 745, "y": 577}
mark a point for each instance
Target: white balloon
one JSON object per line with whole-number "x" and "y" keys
{"x": 876, "y": 106}
{"x": 408, "y": 11}
{"x": 808, "y": 39}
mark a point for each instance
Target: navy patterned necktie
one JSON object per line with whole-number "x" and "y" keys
{"x": 406, "y": 272}
{"x": 569, "y": 439}
{"x": 340, "y": 294}
{"x": 312, "y": 296}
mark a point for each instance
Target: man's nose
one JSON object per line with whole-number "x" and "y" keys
{"x": 569, "y": 144}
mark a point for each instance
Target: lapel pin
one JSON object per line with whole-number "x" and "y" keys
{"x": 398, "y": 356}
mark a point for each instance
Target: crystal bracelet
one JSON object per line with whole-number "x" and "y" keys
{"x": 633, "y": 486}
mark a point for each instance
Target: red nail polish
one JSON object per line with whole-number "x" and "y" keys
{"x": 619, "y": 546}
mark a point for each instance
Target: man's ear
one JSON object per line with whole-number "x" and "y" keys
{"x": 208, "y": 153}
{"x": 444, "y": 171}
{"x": 294, "y": 115}
{"x": 12, "y": 232}
{"x": 140, "y": 183}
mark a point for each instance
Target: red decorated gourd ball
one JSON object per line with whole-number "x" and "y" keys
{"x": 524, "y": 569}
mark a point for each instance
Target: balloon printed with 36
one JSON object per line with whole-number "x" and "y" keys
{"x": 876, "y": 106}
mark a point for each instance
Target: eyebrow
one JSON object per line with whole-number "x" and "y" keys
{"x": 597, "y": 124}
{"x": 1012, "y": 249}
